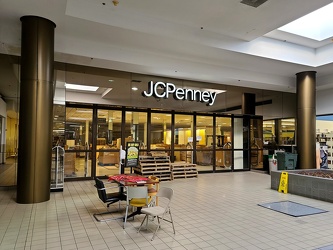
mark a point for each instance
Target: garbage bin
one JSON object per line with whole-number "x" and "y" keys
{"x": 272, "y": 164}
{"x": 286, "y": 160}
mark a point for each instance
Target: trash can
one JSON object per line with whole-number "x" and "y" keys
{"x": 272, "y": 164}
{"x": 286, "y": 161}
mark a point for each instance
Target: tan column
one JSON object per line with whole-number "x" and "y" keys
{"x": 306, "y": 119}
{"x": 36, "y": 107}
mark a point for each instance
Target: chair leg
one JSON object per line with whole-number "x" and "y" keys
{"x": 145, "y": 218}
{"x": 104, "y": 220}
{"x": 125, "y": 218}
{"x": 158, "y": 226}
{"x": 110, "y": 203}
{"x": 159, "y": 220}
{"x": 174, "y": 231}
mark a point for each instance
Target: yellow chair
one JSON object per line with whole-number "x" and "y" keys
{"x": 136, "y": 196}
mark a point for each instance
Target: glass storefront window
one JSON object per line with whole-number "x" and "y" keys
{"x": 223, "y": 142}
{"x": 204, "y": 143}
{"x": 256, "y": 134}
{"x": 287, "y": 132}
{"x": 58, "y": 125}
{"x": 223, "y": 131}
{"x": 183, "y": 138}
{"x": 136, "y": 127}
{"x": 78, "y": 128}
{"x": 78, "y": 137}
{"x": 108, "y": 142}
{"x": 231, "y": 137}
{"x": 269, "y": 131}
{"x": 160, "y": 133}
{"x": 108, "y": 129}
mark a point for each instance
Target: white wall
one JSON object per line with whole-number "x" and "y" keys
{"x": 324, "y": 102}
{"x": 324, "y": 126}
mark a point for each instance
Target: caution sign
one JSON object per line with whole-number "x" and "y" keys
{"x": 283, "y": 187}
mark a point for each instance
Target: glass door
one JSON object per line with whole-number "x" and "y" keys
{"x": 78, "y": 142}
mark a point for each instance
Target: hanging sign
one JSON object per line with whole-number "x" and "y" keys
{"x": 164, "y": 90}
{"x": 132, "y": 154}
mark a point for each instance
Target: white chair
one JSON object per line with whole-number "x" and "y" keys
{"x": 165, "y": 195}
{"x": 136, "y": 196}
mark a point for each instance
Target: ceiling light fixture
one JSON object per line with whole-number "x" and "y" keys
{"x": 217, "y": 91}
{"x": 107, "y": 91}
{"x": 134, "y": 88}
{"x": 80, "y": 87}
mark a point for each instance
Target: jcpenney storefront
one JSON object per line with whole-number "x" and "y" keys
{"x": 190, "y": 122}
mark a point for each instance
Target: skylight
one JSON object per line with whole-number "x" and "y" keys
{"x": 317, "y": 25}
{"x": 80, "y": 87}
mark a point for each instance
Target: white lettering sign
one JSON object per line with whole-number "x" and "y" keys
{"x": 163, "y": 90}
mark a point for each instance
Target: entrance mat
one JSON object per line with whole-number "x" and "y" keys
{"x": 292, "y": 208}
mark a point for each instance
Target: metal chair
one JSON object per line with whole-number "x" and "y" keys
{"x": 137, "y": 196}
{"x": 165, "y": 195}
{"x": 108, "y": 198}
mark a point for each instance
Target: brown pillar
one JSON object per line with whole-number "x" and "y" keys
{"x": 306, "y": 119}
{"x": 248, "y": 104}
{"x": 36, "y": 107}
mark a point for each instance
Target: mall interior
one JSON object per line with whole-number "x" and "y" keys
{"x": 212, "y": 87}
{"x": 89, "y": 127}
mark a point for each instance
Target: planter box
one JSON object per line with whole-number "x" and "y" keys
{"x": 305, "y": 185}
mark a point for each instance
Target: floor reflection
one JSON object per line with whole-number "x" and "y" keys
{"x": 8, "y": 172}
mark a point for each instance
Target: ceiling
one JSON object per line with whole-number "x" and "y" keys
{"x": 220, "y": 42}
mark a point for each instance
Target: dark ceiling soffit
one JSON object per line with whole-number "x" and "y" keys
{"x": 240, "y": 106}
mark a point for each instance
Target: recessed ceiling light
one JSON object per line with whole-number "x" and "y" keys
{"x": 134, "y": 88}
{"x": 80, "y": 87}
{"x": 110, "y": 80}
{"x": 107, "y": 91}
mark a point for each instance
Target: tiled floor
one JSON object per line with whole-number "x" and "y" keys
{"x": 214, "y": 211}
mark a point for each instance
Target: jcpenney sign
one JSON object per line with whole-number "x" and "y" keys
{"x": 164, "y": 90}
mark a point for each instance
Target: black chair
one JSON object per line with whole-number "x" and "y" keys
{"x": 108, "y": 197}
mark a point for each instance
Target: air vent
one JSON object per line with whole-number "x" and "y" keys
{"x": 253, "y": 3}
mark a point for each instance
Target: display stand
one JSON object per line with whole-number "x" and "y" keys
{"x": 132, "y": 155}
{"x": 154, "y": 165}
{"x": 57, "y": 169}
{"x": 183, "y": 170}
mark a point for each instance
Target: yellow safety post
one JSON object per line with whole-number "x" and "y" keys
{"x": 283, "y": 187}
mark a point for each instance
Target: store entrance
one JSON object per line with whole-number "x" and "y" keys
{"x": 94, "y": 136}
